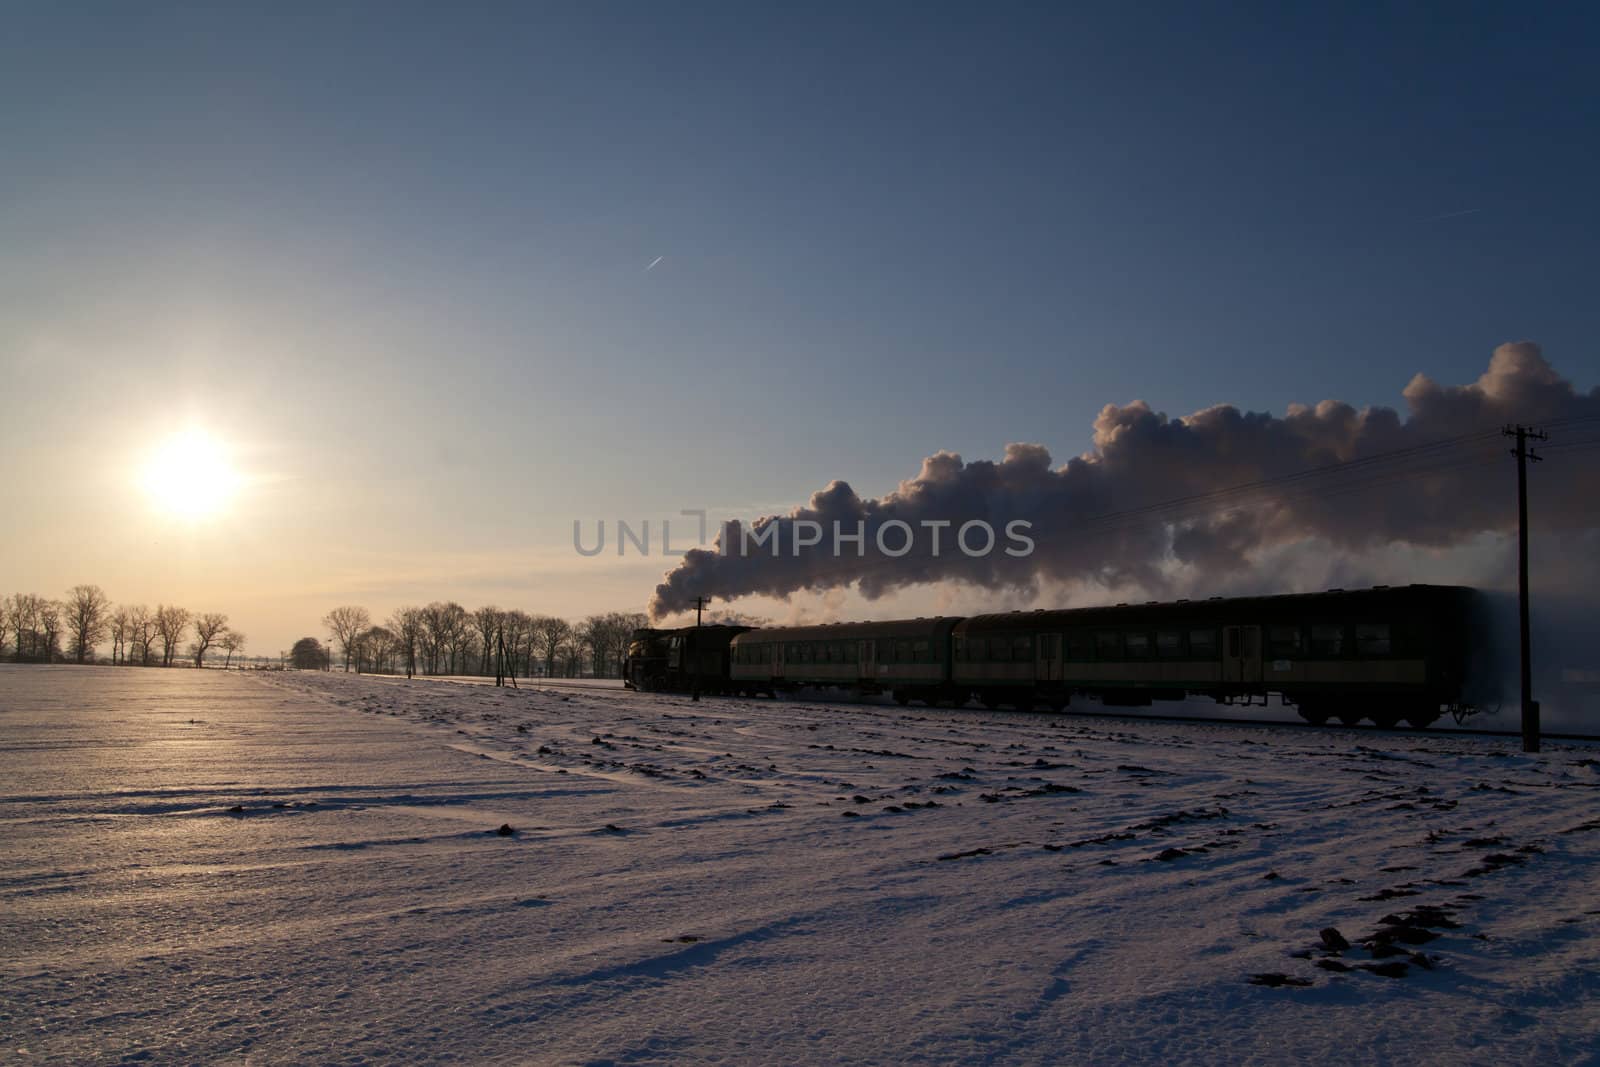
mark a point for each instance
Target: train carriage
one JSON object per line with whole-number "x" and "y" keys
{"x": 908, "y": 657}
{"x": 1388, "y": 654}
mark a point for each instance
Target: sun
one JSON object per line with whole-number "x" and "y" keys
{"x": 189, "y": 476}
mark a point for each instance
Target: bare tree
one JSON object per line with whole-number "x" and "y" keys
{"x": 406, "y": 625}
{"x": 86, "y": 610}
{"x": 571, "y": 658}
{"x": 207, "y": 627}
{"x": 457, "y": 636}
{"x": 141, "y": 633}
{"x": 594, "y": 637}
{"x": 5, "y": 624}
{"x": 171, "y": 622}
{"x": 620, "y": 627}
{"x": 376, "y": 649}
{"x": 346, "y": 624}
{"x": 231, "y": 641}
{"x": 517, "y": 631}
{"x": 50, "y": 621}
{"x": 24, "y": 618}
{"x": 550, "y": 634}
{"x": 436, "y": 626}
{"x": 488, "y": 621}
{"x": 119, "y": 635}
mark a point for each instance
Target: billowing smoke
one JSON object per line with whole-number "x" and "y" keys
{"x": 1212, "y": 494}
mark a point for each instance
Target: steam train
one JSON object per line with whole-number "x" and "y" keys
{"x": 1386, "y": 654}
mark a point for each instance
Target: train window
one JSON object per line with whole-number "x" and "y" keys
{"x": 1080, "y": 645}
{"x": 1169, "y": 643}
{"x": 849, "y": 651}
{"x": 1372, "y": 639}
{"x": 1107, "y": 644}
{"x": 1022, "y": 648}
{"x": 1000, "y": 649}
{"x": 920, "y": 649}
{"x": 1327, "y": 639}
{"x": 1203, "y": 644}
{"x": 902, "y": 651}
{"x": 1137, "y": 643}
{"x": 1047, "y": 646}
{"x": 792, "y": 653}
{"x": 1284, "y": 642}
{"x": 835, "y": 652}
{"x": 977, "y": 649}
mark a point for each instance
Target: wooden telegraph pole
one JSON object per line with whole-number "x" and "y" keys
{"x": 1530, "y": 707}
{"x": 700, "y": 603}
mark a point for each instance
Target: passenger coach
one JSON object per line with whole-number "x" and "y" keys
{"x": 910, "y": 658}
{"x": 1385, "y": 654}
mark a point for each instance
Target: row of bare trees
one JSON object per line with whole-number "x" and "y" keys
{"x": 36, "y": 629}
{"x": 446, "y": 638}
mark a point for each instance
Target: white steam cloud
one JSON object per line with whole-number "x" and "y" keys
{"x": 1108, "y": 517}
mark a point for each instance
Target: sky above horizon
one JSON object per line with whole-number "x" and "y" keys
{"x": 441, "y": 281}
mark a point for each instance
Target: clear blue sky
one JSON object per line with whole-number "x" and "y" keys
{"x": 400, "y": 250}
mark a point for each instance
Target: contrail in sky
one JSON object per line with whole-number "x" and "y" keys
{"x": 653, "y": 262}
{"x": 1456, "y": 214}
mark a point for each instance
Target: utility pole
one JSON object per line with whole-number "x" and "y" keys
{"x": 1530, "y": 707}
{"x": 700, "y": 603}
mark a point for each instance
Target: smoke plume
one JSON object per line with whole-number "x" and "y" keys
{"x": 1210, "y": 494}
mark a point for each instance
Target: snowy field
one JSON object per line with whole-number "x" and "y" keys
{"x": 208, "y": 867}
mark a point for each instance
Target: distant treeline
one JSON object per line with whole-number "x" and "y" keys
{"x": 446, "y": 638}
{"x": 36, "y": 629}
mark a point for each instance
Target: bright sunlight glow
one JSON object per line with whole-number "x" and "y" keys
{"x": 189, "y": 476}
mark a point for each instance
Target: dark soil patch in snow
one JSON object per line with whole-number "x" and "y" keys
{"x": 1276, "y": 980}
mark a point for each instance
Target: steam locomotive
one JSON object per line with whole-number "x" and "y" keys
{"x": 1409, "y": 653}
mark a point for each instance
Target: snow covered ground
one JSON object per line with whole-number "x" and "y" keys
{"x": 303, "y": 868}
